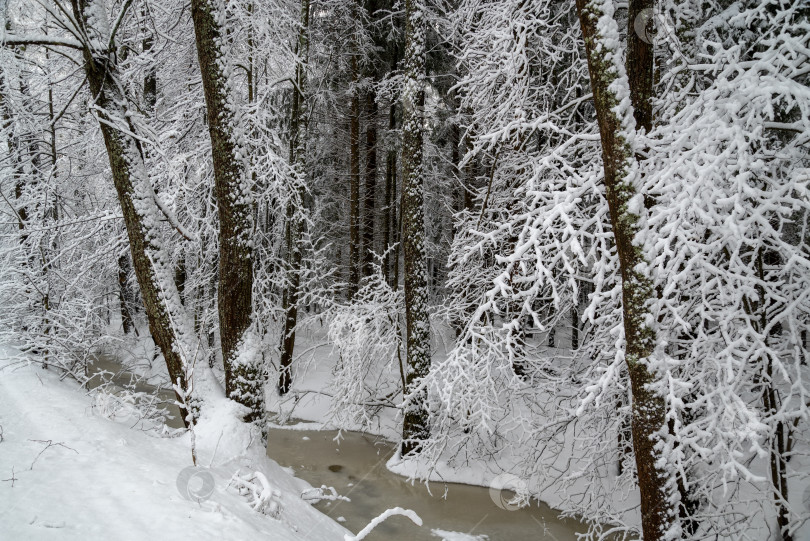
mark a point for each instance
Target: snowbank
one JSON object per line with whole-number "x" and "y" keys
{"x": 69, "y": 473}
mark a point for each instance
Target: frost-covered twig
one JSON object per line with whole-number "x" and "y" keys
{"x": 377, "y": 521}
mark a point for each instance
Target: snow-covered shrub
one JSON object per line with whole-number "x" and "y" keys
{"x": 366, "y": 332}
{"x": 135, "y": 408}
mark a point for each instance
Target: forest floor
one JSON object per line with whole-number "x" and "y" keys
{"x": 69, "y": 472}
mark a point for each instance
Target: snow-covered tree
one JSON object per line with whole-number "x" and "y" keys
{"x": 417, "y": 323}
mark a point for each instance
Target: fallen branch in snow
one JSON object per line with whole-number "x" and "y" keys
{"x": 50, "y": 444}
{"x": 315, "y": 495}
{"x": 377, "y": 521}
{"x": 264, "y": 498}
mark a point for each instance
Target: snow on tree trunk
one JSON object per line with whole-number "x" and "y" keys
{"x": 298, "y": 149}
{"x": 611, "y": 96}
{"x": 168, "y": 321}
{"x": 417, "y": 324}
{"x": 243, "y": 375}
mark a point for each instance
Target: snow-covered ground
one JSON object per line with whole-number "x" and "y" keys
{"x": 69, "y": 469}
{"x": 68, "y": 472}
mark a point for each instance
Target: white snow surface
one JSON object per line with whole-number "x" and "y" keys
{"x": 102, "y": 479}
{"x": 445, "y": 535}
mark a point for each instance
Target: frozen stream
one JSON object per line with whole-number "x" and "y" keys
{"x": 105, "y": 369}
{"x": 356, "y": 468}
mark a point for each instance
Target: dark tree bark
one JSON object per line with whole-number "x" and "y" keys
{"x": 658, "y": 514}
{"x": 150, "y": 80}
{"x": 243, "y": 376}
{"x": 295, "y": 225}
{"x": 354, "y": 188}
{"x": 167, "y": 319}
{"x": 125, "y": 294}
{"x": 781, "y": 438}
{"x": 455, "y": 159}
{"x": 369, "y": 196}
{"x": 415, "y": 429}
{"x": 639, "y": 65}
{"x": 639, "y": 61}
{"x": 397, "y": 255}
{"x": 390, "y": 211}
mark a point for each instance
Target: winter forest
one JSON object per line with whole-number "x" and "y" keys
{"x": 502, "y": 255}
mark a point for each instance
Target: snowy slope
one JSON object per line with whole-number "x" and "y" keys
{"x": 102, "y": 479}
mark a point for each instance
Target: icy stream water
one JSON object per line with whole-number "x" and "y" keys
{"x": 106, "y": 370}
{"x": 355, "y": 467}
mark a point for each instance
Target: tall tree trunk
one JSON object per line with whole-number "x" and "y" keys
{"x": 392, "y": 201}
{"x": 167, "y": 319}
{"x": 417, "y": 324}
{"x": 369, "y": 198}
{"x": 354, "y": 188}
{"x": 51, "y": 213}
{"x": 455, "y": 155}
{"x": 14, "y": 150}
{"x": 781, "y": 436}
{"x": 295, "y": 225}
{"x": 243, "y": 375}
{"x": 390, "y": 211}
{"x": 639, "y": 62}
{"x": 608, "y": 83}
{"x": 398, "y": 195}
